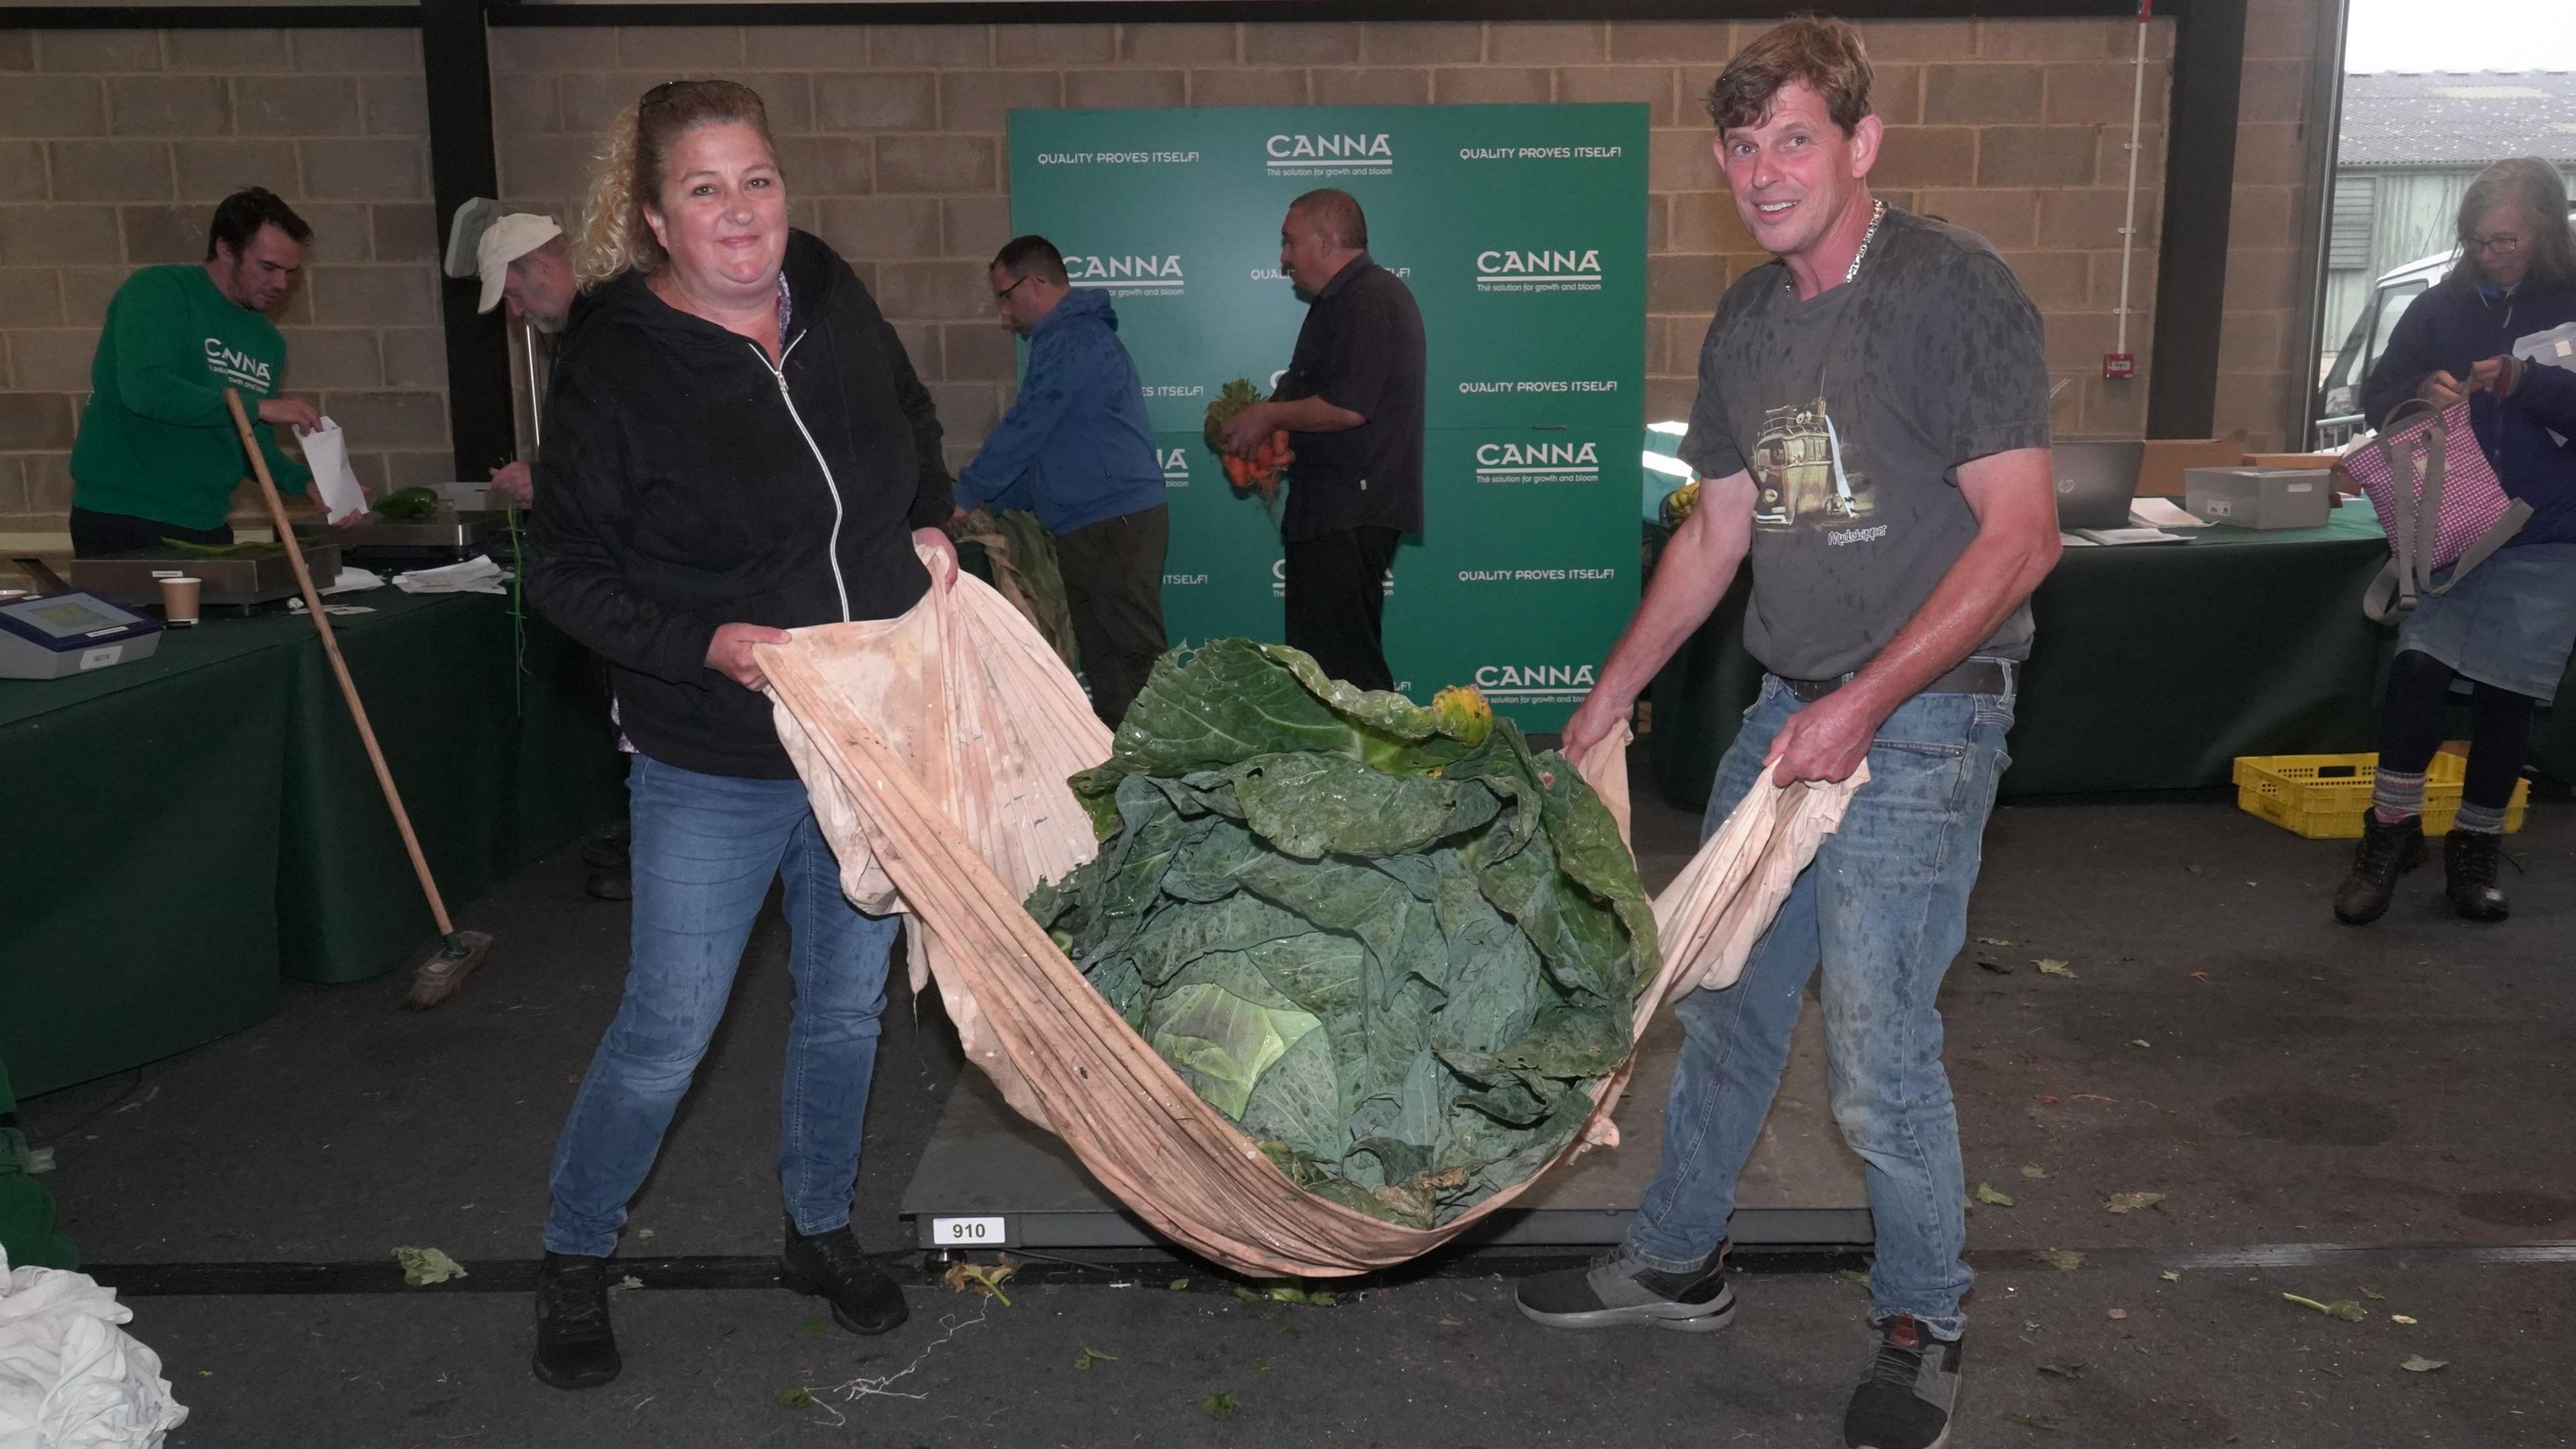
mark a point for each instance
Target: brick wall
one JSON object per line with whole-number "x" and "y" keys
{"x": 893, "y": 140}
{"x": 114, "y": 147}
{"x": 2271, "y": 238}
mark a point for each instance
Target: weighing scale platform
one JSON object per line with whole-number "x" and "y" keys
{"x": 989, "y": 1179}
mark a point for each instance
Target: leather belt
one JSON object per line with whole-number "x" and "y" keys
{"x": 1976, "y": 676}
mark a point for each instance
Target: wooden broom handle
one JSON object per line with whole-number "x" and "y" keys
{"x": 339, "y": 666}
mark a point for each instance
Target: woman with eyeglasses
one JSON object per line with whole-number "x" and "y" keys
{"x": 2508, "y": 627}
{"x": 737, "y": 446}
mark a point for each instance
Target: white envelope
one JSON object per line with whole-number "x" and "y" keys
{"x": 326, "y": 451}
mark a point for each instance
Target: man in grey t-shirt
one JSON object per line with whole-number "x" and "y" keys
{"x": 1872, "y": 430}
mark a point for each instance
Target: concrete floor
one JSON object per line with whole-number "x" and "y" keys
{"x": 2385, "y": 1115}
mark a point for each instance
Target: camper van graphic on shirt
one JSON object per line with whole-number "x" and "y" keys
{"x": 1803, "y": 474}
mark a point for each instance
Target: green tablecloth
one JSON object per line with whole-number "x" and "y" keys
{"x": 186, "y": 828}
{"x": 2154, "y": 667}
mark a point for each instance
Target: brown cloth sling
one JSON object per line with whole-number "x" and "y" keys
{"x": 935, "y": 749}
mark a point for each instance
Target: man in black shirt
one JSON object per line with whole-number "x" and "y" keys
{"x": 1352, "y": 398}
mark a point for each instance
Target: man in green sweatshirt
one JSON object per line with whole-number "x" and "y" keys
{"x": 157, "y": 456}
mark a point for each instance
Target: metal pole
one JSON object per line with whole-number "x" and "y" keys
{"x": 2325, "y": 147}
{"x": 2129, "y": 217}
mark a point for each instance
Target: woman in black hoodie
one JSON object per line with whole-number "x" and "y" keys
{"x": 736, "y": 446}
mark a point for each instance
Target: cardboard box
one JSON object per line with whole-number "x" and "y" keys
{"x": 2161, "y": 465}
{"x": 2259, "y": 497}
{"x": 2292, "y": 460}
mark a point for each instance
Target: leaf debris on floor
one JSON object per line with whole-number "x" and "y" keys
{"x": 984, "y": 1278}
{"x": 424, "y": 1266}
{"x": 2343, "y": 1308}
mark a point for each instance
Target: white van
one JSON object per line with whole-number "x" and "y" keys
{"x": 2339, "y": 393}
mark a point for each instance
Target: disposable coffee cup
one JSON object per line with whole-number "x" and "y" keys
{"x": 179, "y": 600}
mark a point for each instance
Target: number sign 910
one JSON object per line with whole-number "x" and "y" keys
{"x": 967, "y": 1232}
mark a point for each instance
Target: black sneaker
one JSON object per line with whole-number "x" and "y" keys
{"x": 1618, "y": 1288}
{"x": 607, "y": 848}
{"x": 576, "y": 1349}
{"x": 832, "y": 1265}
{"x": 610, "y": 885}
{"x": 1905, "y": 1401}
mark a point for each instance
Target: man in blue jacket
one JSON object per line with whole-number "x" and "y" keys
{"x": 1075, "y": 450}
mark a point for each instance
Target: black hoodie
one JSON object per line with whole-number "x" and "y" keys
{"x": 685, "y": 484}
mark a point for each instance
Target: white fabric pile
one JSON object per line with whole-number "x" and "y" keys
{"x": 69, "y": 1377}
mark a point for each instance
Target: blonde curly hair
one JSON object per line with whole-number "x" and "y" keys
{"x": 627, "y": 173}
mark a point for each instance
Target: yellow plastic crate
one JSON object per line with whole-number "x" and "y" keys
{"x": 2322, "y": 796}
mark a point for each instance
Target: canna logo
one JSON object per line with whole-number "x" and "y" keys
{"x": 1127, "y": 276}
{"x": 1336, "y": 155}
{"x": 1541, "y": 271}
{"x": 1534, "y": 683}
{"x": 236, "y": 367}
{"x": 1279, "y": 580}
{"x": 1538, "y": 463}
{"x": 1176, "y": 466}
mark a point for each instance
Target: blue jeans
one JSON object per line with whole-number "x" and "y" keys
{"x": 706, "y": 848}
{"x": 1883, "y": 909}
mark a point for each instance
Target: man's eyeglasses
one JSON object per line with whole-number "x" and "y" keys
{"x": 1004, "y": 295}
{"x": 2503, "y": 244}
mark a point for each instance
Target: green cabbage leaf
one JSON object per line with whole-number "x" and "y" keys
{"x": 1391, "y": 942}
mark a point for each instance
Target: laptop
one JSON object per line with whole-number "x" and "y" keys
{"x": 2095, "y": 482}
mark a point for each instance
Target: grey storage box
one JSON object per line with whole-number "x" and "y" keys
{"x": 2259, "y": 497}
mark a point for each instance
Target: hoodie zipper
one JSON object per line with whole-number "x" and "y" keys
{"x": 831, "y": 485}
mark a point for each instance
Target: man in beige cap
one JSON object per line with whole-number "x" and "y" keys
{"x": 524, "y": 260}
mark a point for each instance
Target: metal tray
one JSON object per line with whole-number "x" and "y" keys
{"x": 134, "y": 579}
{"x": 446, "y": 536}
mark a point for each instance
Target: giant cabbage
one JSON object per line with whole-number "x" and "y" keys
{"x": 1391, "y": 943}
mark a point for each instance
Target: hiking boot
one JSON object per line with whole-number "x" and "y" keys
{"x": 1905, "y": 1401}
{"x": 1618, "y": 1287}
{"x": 831, "y": 1265}
{"x": 2469, "y": 868}
{"x": 575, "y": 1347}
{"x": 2385, "y": 853}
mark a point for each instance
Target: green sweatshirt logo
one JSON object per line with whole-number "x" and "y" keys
{"x": 237, "y": 367}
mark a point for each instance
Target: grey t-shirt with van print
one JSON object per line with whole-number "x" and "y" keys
{"x": 1853, "y": 411}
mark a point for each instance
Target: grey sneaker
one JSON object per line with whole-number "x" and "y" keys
{"x": 1619, "y": 1288}
{"x": 1905, "y": 1400}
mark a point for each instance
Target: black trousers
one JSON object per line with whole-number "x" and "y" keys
{"x": 1336, "y": 597}
{"x": 2410, "y": 728}
{"x": 1113, "y": 586}
{"x": 95, "y": 535}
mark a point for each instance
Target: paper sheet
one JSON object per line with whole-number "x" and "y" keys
{"x": 474, "y": 576}
{"x": 352, "y": 581}
{"x": 326, "y": 451}
{"x": 2163, "y": 513}
{"x": 2125, "y": 537}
